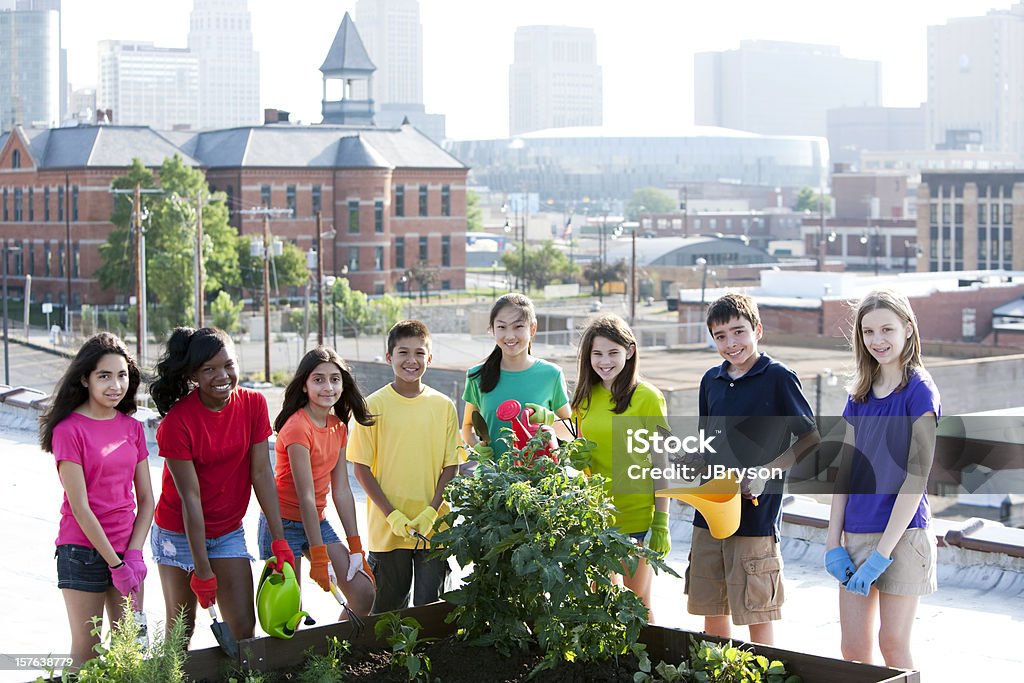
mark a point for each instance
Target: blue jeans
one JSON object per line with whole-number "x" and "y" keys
{"x": 294, "y": 533}
{"x": 395, "y": 572}
{"x": 82, "y": 568}
{"x": 171, "y": 548}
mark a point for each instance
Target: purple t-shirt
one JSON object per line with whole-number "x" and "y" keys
{"x": 882, "y": 432}
{"x": 108, "y": 451}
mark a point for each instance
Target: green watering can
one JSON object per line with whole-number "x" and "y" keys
{"x": 278, "y": 601}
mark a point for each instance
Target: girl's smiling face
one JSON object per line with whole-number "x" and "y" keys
{"x": 217, "y": 378}
{"x": 513, "y": 332}
{"x": 107, "y": 384}
{"x": 884, "y": 335}
{"x": 324, "y": 386}
{"x": 608, "y": 359}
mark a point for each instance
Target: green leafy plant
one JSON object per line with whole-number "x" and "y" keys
{"x": 123, "y": 659}
{"x": 726, "y": 663}
{"x": 543, "y": 551}
{"x": 403, "y": 635}
{"x": 326, "y": 668}
{"x": 246, "y": 676}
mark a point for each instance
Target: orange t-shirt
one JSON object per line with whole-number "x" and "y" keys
{"x": 324, "y": 445}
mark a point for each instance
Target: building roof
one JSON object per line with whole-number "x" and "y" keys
{"x": 99, "y": 147}
{"x": 347, "y": 54}
{"x": 322, "y": 146}
{"x": 1014, "y": 309}
{"x": 668, "y": 251}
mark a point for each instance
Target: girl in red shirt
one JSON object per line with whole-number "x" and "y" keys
{"x": 312, "y": 432}
{"x": 213, "y": 438}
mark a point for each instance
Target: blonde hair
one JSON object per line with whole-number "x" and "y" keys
{"x": 866, "y": 367}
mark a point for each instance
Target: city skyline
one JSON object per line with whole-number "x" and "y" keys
{"x": 646, "y": 53}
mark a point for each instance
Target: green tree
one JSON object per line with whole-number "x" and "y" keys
{"x": 651, "y": 200}
{"x": 808, "y": 200}
{"x": 543, "y": 265}
{"x": 604, "y": 272}
{"x": 225, "y": 313}
{"x": 474, "y": 217}
{"x": 289, "y": 267}
{"x": 169, "y": 222}
{"x": 423, "y": 275}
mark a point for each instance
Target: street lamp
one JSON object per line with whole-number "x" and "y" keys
{"x": 872, "y": 250}
{"x": 907, "y": 245}
{"x": 266, "y": 248}
{"x": 703, "y": 263}
{"x": 328, "y": 284}
{"x": 7, "y": 356}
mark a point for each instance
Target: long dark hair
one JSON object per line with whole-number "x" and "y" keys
{"x": 614, "y": 329}
{"x": 186, "y": 351}
{"x": 490, "y": 372}
{"x": 351, "y": 402}
{"x": 71, "y": 393}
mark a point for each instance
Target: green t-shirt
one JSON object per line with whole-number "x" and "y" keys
{"x": 611, "y": 458}
{"x": 542, "y": 383}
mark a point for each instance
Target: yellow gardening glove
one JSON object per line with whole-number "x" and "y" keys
{"x": 424, "y": 522}
{"x": 399, "y": 523}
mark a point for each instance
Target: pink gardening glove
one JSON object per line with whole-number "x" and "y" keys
{"x": 133, "y": 558}
{"x": 124, "y": 579}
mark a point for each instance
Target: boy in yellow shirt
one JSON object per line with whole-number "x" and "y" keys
{"x": 403, "y": 462}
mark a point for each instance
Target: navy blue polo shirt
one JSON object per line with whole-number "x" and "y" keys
{"x": 755, "y": 417}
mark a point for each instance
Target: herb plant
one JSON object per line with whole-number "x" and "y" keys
{"x": 326, "y": 668}
{"x": 403, "y": 635}
{"x": 726, "y": 663}
{"x": 543, "y": 551}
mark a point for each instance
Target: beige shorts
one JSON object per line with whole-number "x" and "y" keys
{"x": 739, "y": 575}
{"x": 912, "y": 571}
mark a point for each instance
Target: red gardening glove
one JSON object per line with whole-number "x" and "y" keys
{"x": 282, "y": 553}
{"x": 133, "y": 558}
{"x": 205, "y": 589}
{"x": 318, "y": 563}
{"x": 357, "y": 560}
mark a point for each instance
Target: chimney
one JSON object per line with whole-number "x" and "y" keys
{"x": 275, "y": 116}
{"x": 110, "y": 116}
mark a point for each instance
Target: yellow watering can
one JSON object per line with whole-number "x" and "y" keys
{"x": 718, "y": 500}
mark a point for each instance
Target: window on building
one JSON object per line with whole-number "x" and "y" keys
{"x": 353, "y": 259}
{"x": 446, "y": 285}
{"x": 46, "y": 204}
{"x": 229, "y": 198}
{"x": 6, "y": 216}
{"x": 423, "y": 200}
{"x": 446, "y": 200}
{"x": 265, "y": 196}
{"x": 378, "y": 216}
{"x": 31, "y": 258}
{"x": 423, "y": 248}
{"x": 353, "y": 215}
{"x": 1007, "y": 214}
{"x": 60, "y": 203}
{"x": 318, "y": 199}
{"x": 16, "y": 159}
{"x": 31, "y": 205}
{"x": 19, "y": 205}
{"x": 47, "y": 259}
{"x": 399, "y": 252}
{"x": 60, "y": 259}
{"x": 399, "y": 200}
{"x": 290, "y": 198}
{"x": 378, "y": 258}
{"x": 19, "y": 259}
{"x": 74, "y": 203}
{"x": 75, "y": 260}
{"x": 446, "y": 250}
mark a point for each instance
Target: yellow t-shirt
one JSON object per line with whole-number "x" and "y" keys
{"x": 412, "y": 441}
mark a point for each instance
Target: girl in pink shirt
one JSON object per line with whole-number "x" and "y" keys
{"x": 101, "y": 455}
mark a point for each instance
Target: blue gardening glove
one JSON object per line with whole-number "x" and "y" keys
{"x": 541, "y": 415}
{"x": 860, "y": 583}
{"x": 661, "y": 542}
{"x": 483, "y": 451}
{"x": 839, "y": 564}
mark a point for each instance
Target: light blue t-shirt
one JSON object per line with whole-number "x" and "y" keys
{"x": 542, "y": 383}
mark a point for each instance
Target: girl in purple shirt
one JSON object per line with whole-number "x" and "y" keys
{"x": 101, "y": 456}
{"x": 878, "y": 544}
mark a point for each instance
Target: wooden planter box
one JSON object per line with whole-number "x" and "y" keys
{"x": 671, "y": 645}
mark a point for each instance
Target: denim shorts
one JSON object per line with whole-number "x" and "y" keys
{"x": 82, "y": 568}
{"x": 171, "y": 548}
{"x": 294, "y": 533}
{"x": 638, "y": 536}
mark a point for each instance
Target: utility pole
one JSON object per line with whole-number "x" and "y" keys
{"x": 319, "y": 280}
{"x": 140, "y": 266}
{"x": 266, "y": 254}
{"x": 632, "y": 284}
{"x": 198, "y": 267}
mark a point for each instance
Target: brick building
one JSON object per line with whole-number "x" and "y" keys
{"x": 392, "y": 196}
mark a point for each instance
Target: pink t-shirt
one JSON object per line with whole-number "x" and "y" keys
{"x": 108, "y": 451}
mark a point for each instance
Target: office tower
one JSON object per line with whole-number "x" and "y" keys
{"x": 555, "y": 80}
{"x": 778, "y": 88}
{"x": 976, "y": 81}
{"x": 148, "y": 86}
{"x": 32, "y": 90}
{"x": 393, "y": 37}
{"x": 220, "y": 35}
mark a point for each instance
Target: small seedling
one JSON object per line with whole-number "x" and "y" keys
{"x": 403, "y": 635}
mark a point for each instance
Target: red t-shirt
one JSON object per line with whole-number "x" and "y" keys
{"x": 218, "y": 444}
{"x": 324, "y": 445}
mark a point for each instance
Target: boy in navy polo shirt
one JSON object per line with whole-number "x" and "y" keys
{"x": 757, "y": 406}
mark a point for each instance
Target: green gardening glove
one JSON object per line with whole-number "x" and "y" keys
{"x": 541, "y": 415}
{"x": 483, "y": 451}
{"x": 661, "y": 542}
{"x": 399, "y": 523}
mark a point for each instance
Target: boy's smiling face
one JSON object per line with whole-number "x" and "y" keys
{"x": 410, "y": 359}
{"x": 736, "y": 342}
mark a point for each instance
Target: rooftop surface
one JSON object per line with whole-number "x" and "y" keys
{"x": 971, "y": 629}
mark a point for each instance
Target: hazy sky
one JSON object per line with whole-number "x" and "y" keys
{"x": 644, "y": 46}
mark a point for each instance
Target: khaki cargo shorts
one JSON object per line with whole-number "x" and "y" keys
{"x": 912, "y": 571}
{"x": 739, "y": 575}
